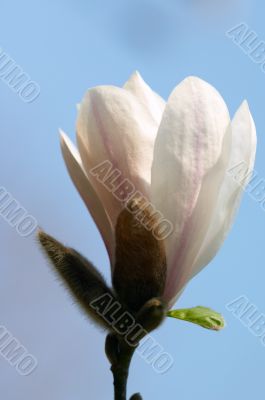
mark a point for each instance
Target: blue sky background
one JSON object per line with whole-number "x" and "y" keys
{"x": 68, "y": 46}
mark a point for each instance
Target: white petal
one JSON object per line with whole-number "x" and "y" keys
{"x": 197, "y": 225}
{"x": 86, "y": 191}
{"x": 146, "y": 96}
{"x": 189, "y": 144}
{"x": 114, "y": 125}
{"x": 243, "y": 151}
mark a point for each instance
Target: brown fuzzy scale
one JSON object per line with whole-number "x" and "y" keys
{"x": 140, "y": 260}
{"x": 86, "y": 284}
{"x": 78, "y": 274}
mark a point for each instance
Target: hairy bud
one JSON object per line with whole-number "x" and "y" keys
{"x": 84, "y": 281}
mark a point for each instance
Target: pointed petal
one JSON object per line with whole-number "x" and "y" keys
{"x": 243, "y": 150}
{"x": 114, "y": 126}
{"x": 189, "y": 144}
{"x": 86, "y": 191}
{"x": 146, "y": 96}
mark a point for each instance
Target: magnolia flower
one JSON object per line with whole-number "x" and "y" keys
{"x": 176, "y": 154}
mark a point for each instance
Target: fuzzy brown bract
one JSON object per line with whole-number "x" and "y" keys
{"x": 140, "y": 260}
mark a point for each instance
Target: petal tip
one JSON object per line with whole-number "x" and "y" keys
{"x": 61, "y": 132}
{"x": 245, "y": 105}
{"x": 67, "y": 145}
{"x": 194, "y": 79}
{"x": 63, "y": 136}
{"x": 244, "y": 110}
{"x": 135, "y": 78}
{"x": 136, "y": 74}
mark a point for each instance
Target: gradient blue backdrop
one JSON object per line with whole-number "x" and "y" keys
{"x": 68, "y": 46}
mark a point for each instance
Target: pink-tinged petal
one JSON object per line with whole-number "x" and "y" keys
{"x": 146, "y": 96}
{"x": 74, "y": 165}
{"x": 114, "y": 126}
{"x": 198, "y": 224}
{"x": 189, "y": 144}
{"x": 242, "y": 153}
